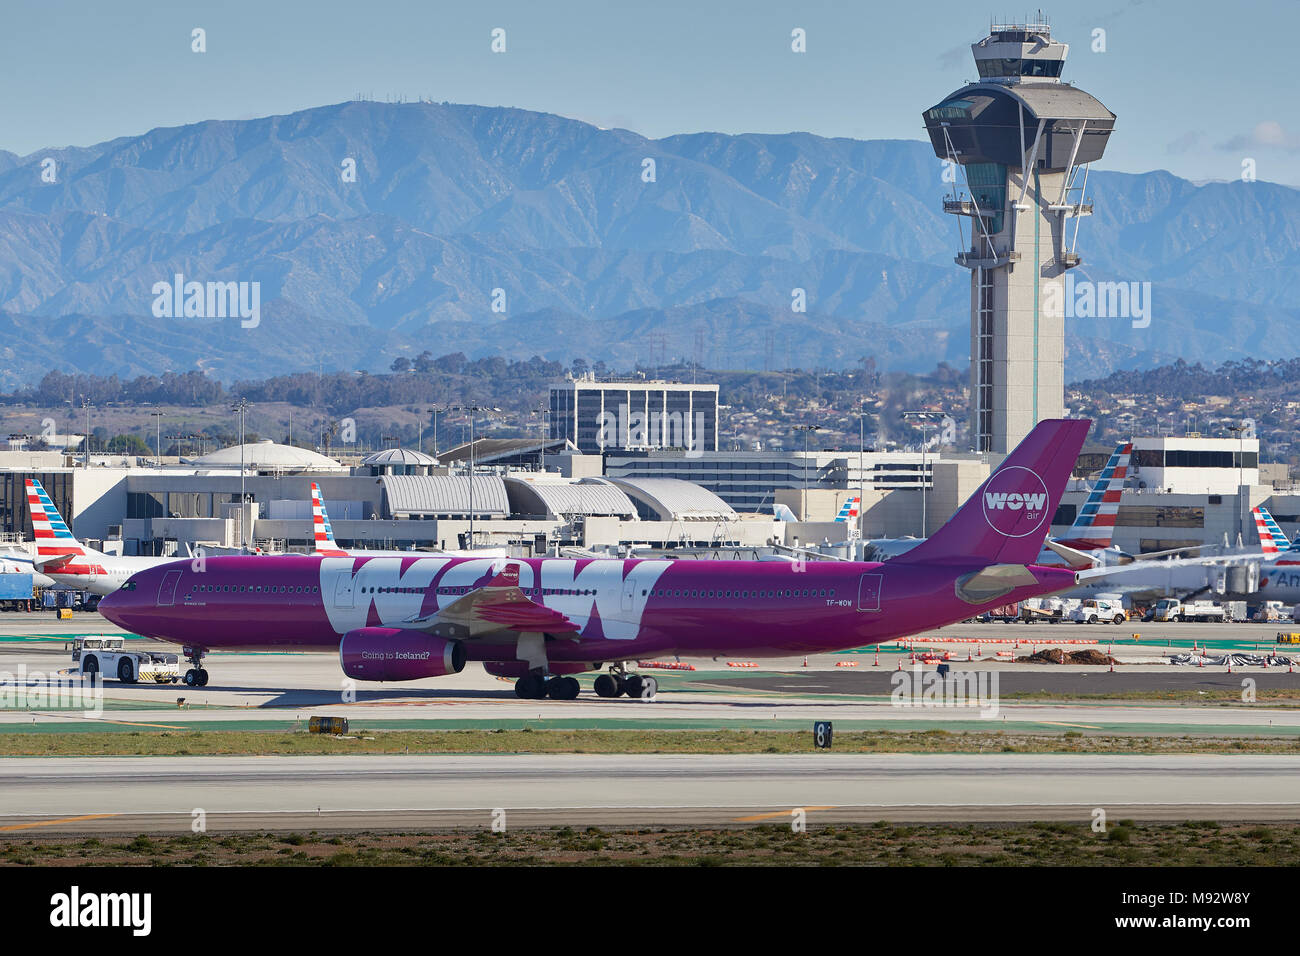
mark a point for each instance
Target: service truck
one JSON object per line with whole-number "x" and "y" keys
{"x": 1172, "y": 609}
{"x": 1099, "y": 611}
{"x": 99, "y": 656}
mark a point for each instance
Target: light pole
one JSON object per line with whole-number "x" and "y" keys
{"x": 1240, "y": 431}
{"x": 436, "y": 408}
{"x": 241, "y": 409}
{"x": 862, "y": 481}
{"x": 157, "y": 418}
{"x": 923, "y": 420}
{"x": 807, "y": 430}
{"x": 87, "y": 405}
{"x": 541, "y": 452}
{"x": 473, "y": 410}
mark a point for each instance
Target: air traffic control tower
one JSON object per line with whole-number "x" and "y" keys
{"x": 1020, "y": 140}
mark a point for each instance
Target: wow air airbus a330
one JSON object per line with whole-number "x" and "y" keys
{"x": 542, "y": 619}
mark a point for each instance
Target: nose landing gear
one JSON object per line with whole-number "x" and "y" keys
{"x": 196, "y": 676}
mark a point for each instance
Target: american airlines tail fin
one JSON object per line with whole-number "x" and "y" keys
{"x": 849, "y": 510}
{"x": 1095, "y": 525}
{"x": 55, "y": 544}
{"x": 1009, "y": 516}
{"x": 1272, "y": 539}
{"x": 323, "y": 534}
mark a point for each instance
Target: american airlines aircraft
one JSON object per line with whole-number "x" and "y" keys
{"x": 543, "y": 619}
{"x": 848, "y": 511}
{"x": 67, "y": 561}
{"x": 323, "y": 538}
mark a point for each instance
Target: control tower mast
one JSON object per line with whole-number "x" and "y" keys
{"x": 1021, "y": 140}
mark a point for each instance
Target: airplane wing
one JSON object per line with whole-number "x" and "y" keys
{"x": 499, "y": 605}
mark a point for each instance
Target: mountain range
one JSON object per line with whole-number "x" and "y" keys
{"x": 376, "y": 230}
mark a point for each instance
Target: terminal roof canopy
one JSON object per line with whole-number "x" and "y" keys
{"x": 444, "y": 496}
{"x": 672, "y": 499}
{"x": 268, "y": 456}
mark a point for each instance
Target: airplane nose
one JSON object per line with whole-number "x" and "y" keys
{"x": 115, "y": 607}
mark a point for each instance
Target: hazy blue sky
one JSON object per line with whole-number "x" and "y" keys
{"x": 1197, "y": 84}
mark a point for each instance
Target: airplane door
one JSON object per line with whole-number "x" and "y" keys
{"x": 869, "y": 592}
{"x": 167, "y": 590}
{"x": 629, "y": 593}
{"x": 343, "y": 586}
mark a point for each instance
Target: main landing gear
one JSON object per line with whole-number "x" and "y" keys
{"x": 196, "y": 676}
{"x": 540, "y": 687}
{"x": 617, "y": 683}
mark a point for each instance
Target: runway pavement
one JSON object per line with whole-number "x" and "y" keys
{"x": 371, "y": 792}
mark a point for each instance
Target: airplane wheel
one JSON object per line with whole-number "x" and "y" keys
{"x": 191, "y": 678}
{"x": 530, "y": 687}
{"x": 649, "y": 687}
{"x": 606, "y": 686}
{"x": 125, "y": 672}
{"x": 563, "y": 688}
{"x": 632, "y": 685}
{"x": 203, "y": 677}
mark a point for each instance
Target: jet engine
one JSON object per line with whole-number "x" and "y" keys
{"x": 394, "y": 653}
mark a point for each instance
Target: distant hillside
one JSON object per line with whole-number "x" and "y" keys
{"x": 453, "y": 202}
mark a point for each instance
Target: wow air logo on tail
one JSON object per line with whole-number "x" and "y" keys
{"x": 1015, "y": 502}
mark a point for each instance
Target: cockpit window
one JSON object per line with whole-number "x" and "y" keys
{"x": 128, "y": 586}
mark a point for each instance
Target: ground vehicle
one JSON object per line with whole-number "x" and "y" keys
{"x": 1288, "y": 638}
{"x": 1099, "y": 611}
{"x": 1171, "y": 609}
{"x": 1271, "y": 611}
{"x": 107, "y": 655}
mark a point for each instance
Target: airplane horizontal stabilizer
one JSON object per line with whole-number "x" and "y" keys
{"x": 992, "y": 582}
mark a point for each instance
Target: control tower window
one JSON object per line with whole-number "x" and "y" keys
{"x": 950, "y": 110}
{"x": 1018, "y": 67}
{"x": 988, "y": 186}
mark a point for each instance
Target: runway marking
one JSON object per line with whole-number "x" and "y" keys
{"x": 51, "y": 823}
{"x": 1059, "y": 723}
{"x": 779, "y": 813}
{"x": 104, "y": 720}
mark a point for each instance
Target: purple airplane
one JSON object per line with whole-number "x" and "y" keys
{"x": 406, "y": 618}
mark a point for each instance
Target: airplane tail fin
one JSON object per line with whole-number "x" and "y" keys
{"x": 323, "y": 534}
{"x": 849, "y": 510}
{"x": 55, "y": 543}
{"x": 783, "y": 513}
{"x": 1095, "y": 525}
{"x": 1009, "y": 516}
{"x": 1272, "y": 539}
